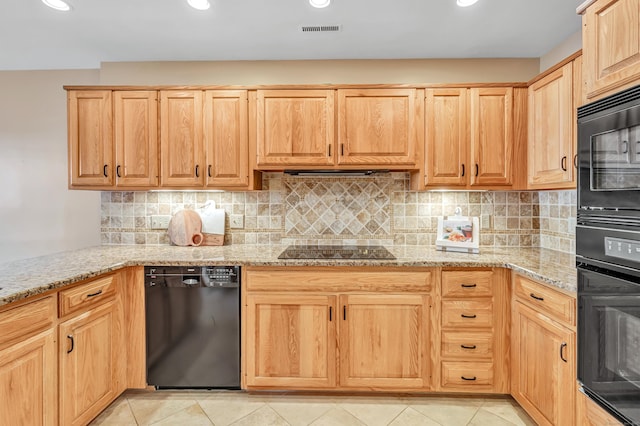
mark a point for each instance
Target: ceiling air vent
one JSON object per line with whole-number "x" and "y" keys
{"x": 320, "y": 28}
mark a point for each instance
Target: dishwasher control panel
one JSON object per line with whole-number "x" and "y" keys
{"x": 192, "y": 276}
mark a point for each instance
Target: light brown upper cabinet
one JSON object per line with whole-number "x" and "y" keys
{"x": 446, "y": 137}
{"x": 611, "y": 46}
{"x": 551, "y": 121}
{"x": 295, "y": 128}
{"x": 181, "y": 144}
{"x": 113, "y": 150}
{"x": 90, "y": 132}
{"x": 378, "y": 126}
{"x": 226, "y": 138}
{"x": 469, "y": 137}
{"x": 492, "y": 141}
{"x": 136, "y": 138}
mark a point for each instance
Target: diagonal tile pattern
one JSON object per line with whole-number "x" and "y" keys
{"x": 221, "y": 408}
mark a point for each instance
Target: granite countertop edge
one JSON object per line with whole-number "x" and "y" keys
{"x": 38, "y": 275}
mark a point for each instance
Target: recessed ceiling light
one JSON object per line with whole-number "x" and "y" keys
{"x": 199, "y": 4}
{"x": 465, "y": 3}
{"x": 319, "y": 3}
{"x": 57, "y": 5}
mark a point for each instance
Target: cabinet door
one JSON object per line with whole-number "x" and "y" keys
{"x": 295, "y": 127}
{"x": 291, "y": 341}
{"x": 136, "y": 138}
{"x": 90, "y": 354}
{"x": 377, "y": 126}
{"x": 384, "y": 341}
{"x": 543, "y": 377}
{"x": 181, "y": 146}
{"x": 226, "y": 137}
{"x": 491, "y": 135}
{"x": 28, "y": 381}
{"x": 551, "y": 121}
{"x": 446, "y": 137}
{"x": 90, "y": 131}
{"x": 611, "y": 51}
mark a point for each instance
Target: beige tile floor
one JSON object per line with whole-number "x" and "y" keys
{"x": 187, "y": 408}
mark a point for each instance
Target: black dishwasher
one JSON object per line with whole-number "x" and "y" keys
{"x": 193, "y": 326}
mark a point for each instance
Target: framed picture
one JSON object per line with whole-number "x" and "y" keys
{"x": 458, "y": 233}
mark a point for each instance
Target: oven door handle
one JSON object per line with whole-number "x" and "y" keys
{"x": 562, "y": 347}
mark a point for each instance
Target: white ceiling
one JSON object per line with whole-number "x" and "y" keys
{"x": 33, "y": 36}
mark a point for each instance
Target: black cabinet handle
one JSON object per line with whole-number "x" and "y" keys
{"x": 95, "y": 294}
{"x": 342, "y": 149}
{"x": 329, "y": 153}
{"x": 70, "y": 337}
{"x": 626, "y": 147}
{"x": 470, "y": 379}
{"x": 468, "y": 346}
{"x": 562, "y": 346}
{"x": 209, "y": 170}
{"x": 468, "y": 316}
{"x": 463, "y": 170}
{"x": 197, "y": 171}
{"x": 330, "y": 313}
{"x": 344, "y": 312}
{"x": 536, "y": 297}
{"x": 477, "y": 171}
{"x": 468, "y": 285}
{"x": 104, "y": 171}
{"x": 118, "y": 170}
{"x": 575, "y": 161}
{"x": 563, "y": 163}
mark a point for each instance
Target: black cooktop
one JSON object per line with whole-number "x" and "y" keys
{"x": 336, "y": 252}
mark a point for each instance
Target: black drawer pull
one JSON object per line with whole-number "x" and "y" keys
{"x": 118, "y": 170}
{"x": 468, "y": 316}
{"x": 562, "y": 346}
{"x": 344, "y": 312}
{"x": 95, "y": 294}
{"x": 468, "y": 285}
{"x": 209, "y": 170}
{"x": 563, "y": 163}
{"x": 468, "y": 379}
{"x": 104, "y": 171}
{"x": 70, "y": 337}
{"x": 463, "y": 170}
{"x": 329, "y": 154}
{"x": 330, "y": 313}
{"x": 468, "y": 346}
{"x": 536, "y": 297}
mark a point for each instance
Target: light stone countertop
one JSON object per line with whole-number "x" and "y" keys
{"x": 24, "y": 278}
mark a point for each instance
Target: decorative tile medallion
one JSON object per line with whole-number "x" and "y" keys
{"x": 332, "y": 206}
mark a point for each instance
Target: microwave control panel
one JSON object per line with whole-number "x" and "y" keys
{"x": 622, "y": 248}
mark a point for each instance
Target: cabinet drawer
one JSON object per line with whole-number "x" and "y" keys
{"x": 542, "y": 298}
{"x": 337, "y": 279}
{"x": 462, "y": 344}
{"x": 88, "y": 294}
{"x": 27, "y": 318}
{"x": 466, "y": 283}
{"x": 467, "y": 313}
{"x": 456, "y": 374}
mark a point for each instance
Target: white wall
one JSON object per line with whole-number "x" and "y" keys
{"x": 569, "y": 46}
{"x": 397, "y": 71}
{"x": 38, "y": 214}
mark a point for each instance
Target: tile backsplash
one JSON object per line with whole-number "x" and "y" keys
{"x": 350, "y": 210}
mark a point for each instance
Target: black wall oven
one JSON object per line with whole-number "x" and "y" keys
{"x": 608, "y": 253}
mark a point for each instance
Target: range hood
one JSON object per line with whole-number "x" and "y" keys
{"x": 330, "y": 172}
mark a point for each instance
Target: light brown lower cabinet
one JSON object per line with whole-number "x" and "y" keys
{"x": 89, "y": 358}
{"x": 382, "y": 334}
{"x": 28, "y": 363}
{"x": 28, "y": 381}
{"x": 589, "y": 413}
{"x": 543, "y": 374}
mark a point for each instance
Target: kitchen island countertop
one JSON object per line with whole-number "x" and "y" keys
{"x": 27, "y": 277}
